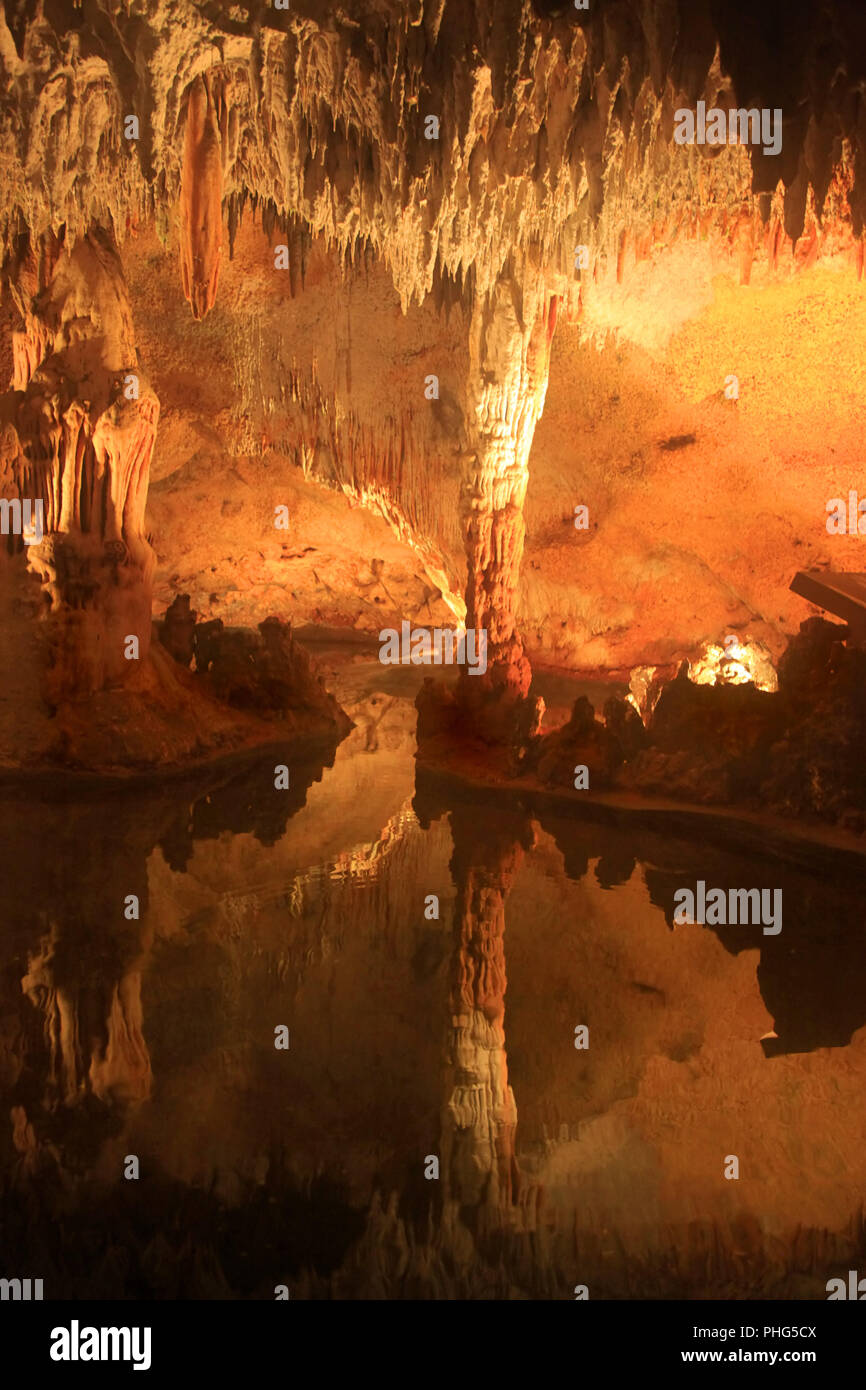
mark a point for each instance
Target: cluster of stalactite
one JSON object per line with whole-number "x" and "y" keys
{"x": 396, "y": 466}
{"x": 556, "y": 130}
{"x": 385, "y": 468}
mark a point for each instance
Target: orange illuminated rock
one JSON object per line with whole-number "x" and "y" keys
{"x": 201, "y": 193}
{"x": 510, "y": 336}
{"x": 79, "y": 436}
{"x": 480, "y": 1117}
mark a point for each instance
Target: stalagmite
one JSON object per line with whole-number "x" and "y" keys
{"x": 510, "y": 339}
{"x": 79, "y": 435}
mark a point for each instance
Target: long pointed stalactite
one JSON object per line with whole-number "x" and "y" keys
{"x": 201, "y": 193}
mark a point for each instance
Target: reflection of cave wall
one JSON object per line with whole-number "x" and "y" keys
{"x": 244, "y": 926}
{"x": 676, "y": 1021}
{"x": 810, "y": 975}
{"x": 75, "y": 1034}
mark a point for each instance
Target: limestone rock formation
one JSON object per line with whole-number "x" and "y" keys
{"x": 267, "y": 672}
{"x": 80, "y": 427}
{"x": 480, "y": 1115}
{"x": 514, "y": 163}
{"x": 201, "y": 196}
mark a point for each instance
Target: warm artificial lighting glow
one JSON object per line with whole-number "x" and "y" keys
{"x": 642, "y": 694}
{"x": 735, "y": 663}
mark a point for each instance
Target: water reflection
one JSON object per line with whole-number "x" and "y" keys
{"x": 812, "y": 975}
{"x": 78, "y": 935}
{"x": 153, "y": 1035}
{"x": 480, "y": 1117}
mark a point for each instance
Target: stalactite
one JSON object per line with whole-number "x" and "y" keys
{"x": 384, "y": 465}
{"x": 201, "y": 199}
{"x": 531, "y": 150}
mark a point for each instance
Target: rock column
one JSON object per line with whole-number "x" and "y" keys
{"x": 78, "y": 431}
{"x": 510, "y": 338}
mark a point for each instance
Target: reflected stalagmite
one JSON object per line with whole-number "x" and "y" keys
{"x": 93, "y": 1030}
{"x": 79, "y": 1040}
{"x": 480, "y": 1116}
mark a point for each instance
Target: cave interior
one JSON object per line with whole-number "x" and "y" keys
{"x": 432, "y": 420}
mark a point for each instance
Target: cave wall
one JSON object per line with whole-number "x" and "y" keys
{"x": 314, "y": 401}
{"x": 701, "y": 508}
{"x": 689, "y": 494}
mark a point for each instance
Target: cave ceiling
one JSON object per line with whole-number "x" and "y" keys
{"x": 555, "y": 125}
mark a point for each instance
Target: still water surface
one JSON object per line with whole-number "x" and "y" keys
{"x": 418, "y": 1044}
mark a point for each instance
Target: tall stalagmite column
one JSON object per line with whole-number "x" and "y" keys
{"x": 78, "y": 432}
{"x": 510, "y": 338}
